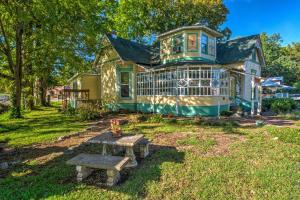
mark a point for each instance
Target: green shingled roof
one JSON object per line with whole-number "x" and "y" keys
{"x": 131, "y": 51}
{"x": 231, "y": 51}
{"x": 237, "y": 50}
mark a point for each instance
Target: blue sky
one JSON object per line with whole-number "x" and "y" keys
{"x": 249, "y": 17}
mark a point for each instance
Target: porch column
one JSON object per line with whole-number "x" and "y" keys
{"x": 252, "y": 94}
{"x": 259, "y": 100}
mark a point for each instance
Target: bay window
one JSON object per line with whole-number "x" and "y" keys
{"x": 192, "y": 42}
{"x": 208, "y": 45}
{"x": 177, "y": 44}
{"x": 185, "y": 81}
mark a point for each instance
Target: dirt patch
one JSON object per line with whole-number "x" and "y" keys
{"x": 276, "y": 121}
{"x": 219, "y": 147}
{"x": 223, "y": 143}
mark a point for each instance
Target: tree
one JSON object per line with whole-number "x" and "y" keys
{"x": 278, "y": 61}
{"x": 139, "y": 18}
{"x": 39, "y": 34}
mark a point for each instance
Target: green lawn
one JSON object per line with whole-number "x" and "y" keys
{"x": 256, "y": 166}
{"x": 41, "y": 125}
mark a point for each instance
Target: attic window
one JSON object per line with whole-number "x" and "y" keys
{"x": 178, "y": 44}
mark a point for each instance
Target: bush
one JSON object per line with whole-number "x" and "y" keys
{"x": 69, "y": 110}
{"x": 226, "y": 113}
{"x": 283, "y": 105}
{"x": 266, "y": 104}
{"x": 88, "y": 112}
{"x": 3, "y": 107}
{"x": 155, "y": 118}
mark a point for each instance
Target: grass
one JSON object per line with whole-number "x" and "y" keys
{"x": 289, "y": 135}
{"x": 256, "y": 168}
{"x": 40, "y": 125}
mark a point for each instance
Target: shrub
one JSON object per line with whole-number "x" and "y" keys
{"x": 69, "y": 110}
{"x": 171, "y": 120}
{"x": 226, "y": 113}
{"x": 283, "y": 105}
{"x": 88, "y": 112}
{"x": 155, "y": 118}
{"x": 266, "y": 104}
{"x": 138, "y": 118}
{"x": 3, "y": 107}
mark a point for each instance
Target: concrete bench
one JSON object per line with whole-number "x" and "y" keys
{"x": 142, "y": 148}
{"x": 86, "y": 163}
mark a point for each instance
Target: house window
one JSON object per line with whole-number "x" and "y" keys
{"x": 192, "y": 42}
{"x": 124, "y": 84}
{"x": 185, "y": 81}
{"x": 253, "y": 56}
{"x": 204, "y": 44}
{"x": 178, "y": 44}
{"x": 211, "y": 47}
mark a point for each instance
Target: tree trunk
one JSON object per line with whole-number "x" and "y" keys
{"x": 18, "y": 72}
{"x": 43, "y": 91}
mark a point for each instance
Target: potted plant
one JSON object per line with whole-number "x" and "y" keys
{"x": 115, "y": 128}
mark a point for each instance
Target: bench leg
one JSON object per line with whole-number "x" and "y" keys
{"x": 83, "y": 172}
{"x": 144, "y": 151}
{"x": 104, "y": 149}
{"x": 113, "y": 176}
{"x": 130, "y": 153}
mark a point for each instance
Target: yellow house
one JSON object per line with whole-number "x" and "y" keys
{"x": 187, "y": 72}
{"x": 86, "y": 81}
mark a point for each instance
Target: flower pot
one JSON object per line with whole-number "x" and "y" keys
{"x": 116, "y": 133}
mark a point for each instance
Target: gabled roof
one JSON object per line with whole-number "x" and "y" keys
{"x": 229, "y": 52}
{"x": 131, "y": 51}
{"x": 237, "y": 50}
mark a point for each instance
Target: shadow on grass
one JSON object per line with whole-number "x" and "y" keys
{"x": 53, "y": 178}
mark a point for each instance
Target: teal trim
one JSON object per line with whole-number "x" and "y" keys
{"x": 187, "y": 111}
{"x": 127, "y": 106}
{"x": 187, "y": 43}
{"x": 188, "y": 59}
{"x": 244, "y": 104}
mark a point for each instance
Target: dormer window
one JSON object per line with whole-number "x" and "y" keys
{"x": 192, "y": 42}
{"x": 177, "y": 44}
{"x": 204, "y": 44}
{"x": 208, "y": 45}
{"x": 211, "y": 47}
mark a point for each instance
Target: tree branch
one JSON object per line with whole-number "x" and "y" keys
{"x": 7, "y": 49}
{"x": 6, "y": 76}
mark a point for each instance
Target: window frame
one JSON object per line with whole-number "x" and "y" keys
{"x": 197, "y": 42}
{"x": 121, "y": 84}
{"x": 182, "y": 43}
{"x": 204, "y": 50}
{"x": 185, "y": 81}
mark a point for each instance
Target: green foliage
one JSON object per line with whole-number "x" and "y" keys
{"x": 88, "y": 112}
{"x": 70, "y": 110}
{"x": 283, "y": 105}
{"x": 266, "y": 103}
{"x": 155, "y": 118}
{"x": 226, "y": 113}
{"x": 280, "y": 61}
{"x": 156, "y": 17}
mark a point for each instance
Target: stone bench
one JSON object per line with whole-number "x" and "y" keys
{"x": 142, "y": 148}
{"x": 86, "y": 163}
